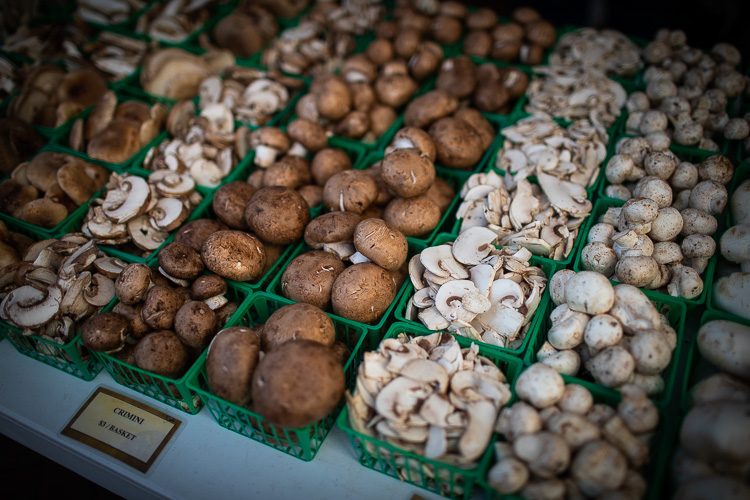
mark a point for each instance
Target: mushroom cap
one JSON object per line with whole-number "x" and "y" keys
{"x": 80, "y": 180}
{"x": 350, "y": 190}
{"x": 414, "y": 217}
{"x": 132, "y": 283}
{"x": 105, "y": 332}
{"x": 230, "y": 201}
{"x": 407, "y": 172}
{"x": 363, "y": 292}
{"x": 207, "y": 286}
{"x": 230, "y": 362}
{"x": 294, "y": 322}
{"x": 332, "y": 227}
{"x": 429, "y": 107}
{"x": 234, "y": 255}
{"x": 382, "y": 243}
{"x": 458, "y": 144}
{"x": 160, "y": 307}
{"x": 311, "y": 135}
{"x": 195, "y": 324}
{"x": 589, "y": 292}
{"x": 162, "y": 353}
{"x": 309, "y": 277}
{"x": 278, "y": 215}
{"x": 84, "y": 87}
{"x": 195, "y": 232}
{"x": 285, "y": 393}
{"x": 180, "y": 260}
{"x": 119, "y": 141}
{"x": 42, "y": 212}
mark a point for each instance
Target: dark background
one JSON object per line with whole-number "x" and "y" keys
{"x": 706, "y": 22}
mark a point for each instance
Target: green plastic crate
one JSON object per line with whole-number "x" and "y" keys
{"x": 375, "y": 331}
{"x": 600, "y": 208}
{"x": 71, "y": 358}
{"x": 660, "y": 443}
{"x": 456, "y": 178}
{"x": 545, "y": 264}
{"x": 302, "y": 443}
{"x": 675, "y": 311}
{"x": 172, "y": 392}
{"x": 433, "y": 475}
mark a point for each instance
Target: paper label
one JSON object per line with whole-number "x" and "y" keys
{"x": 126, "y": 429}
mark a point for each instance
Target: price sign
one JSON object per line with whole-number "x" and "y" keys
{"x": 123, "y": 428}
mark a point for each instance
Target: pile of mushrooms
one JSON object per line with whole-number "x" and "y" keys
{"x": 537, "y": 145}
{"x": 115, "y": 131}
{"x": 461, "y": 136}
{"x": 606, "y": 50}
{"x": 473, "y": 289}
{"x": 244, "y": 32}
{"x": 575, "y": 92}
{"x": 56, "y": 285}
{"x": 362, "y": 291}
{"x": 256, "y": 366}
{"x": 712, "y": 458}
{"x": 490, "y": 88}
{"x": 524, "y": 39}
{"x": 115, "y": 55}
{"x": 140, "y": 211}
{"x": 173, "y": 21}
{"x": 47, "y": 189}
{"x": 322, "y": 39}
{"x": 614, "y": 335}
{"x": 202, "y": 146}
{"x": 648, "y": 226}
{"x": 177, "y": 74}
{"x": 50, "y": 96}
{"x": 560, "y": 443}
{"x": 687, "y": 92}
{"x": 734, "y": 245}
{"x": 410, "y": 195}
{"x": 109, "y": 12}
{"x": 428, "y": 396}
{"x": 253, "y": 95}
{"x": 524, "y": 216}
{"x": 361, "y": 102}
{"x": 163, "y": 319}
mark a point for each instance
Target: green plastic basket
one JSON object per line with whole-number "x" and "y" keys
{"x": 455, "y": 178}
{"x": 172, "y": 392}
{"x": 302, "y": 443}
{"x": 547, "y": 266}
{"x": 433, "y": 475}
{"x": 600, "y": 208}
{"x": 375, "y": 331}
{"x": 60, "y": 142}
{"x": 671, "y": 307}
{"x": 660, "y": 447}
{"x": 71, "y": 358}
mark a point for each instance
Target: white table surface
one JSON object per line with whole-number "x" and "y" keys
{"x": 203, "y": 460}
